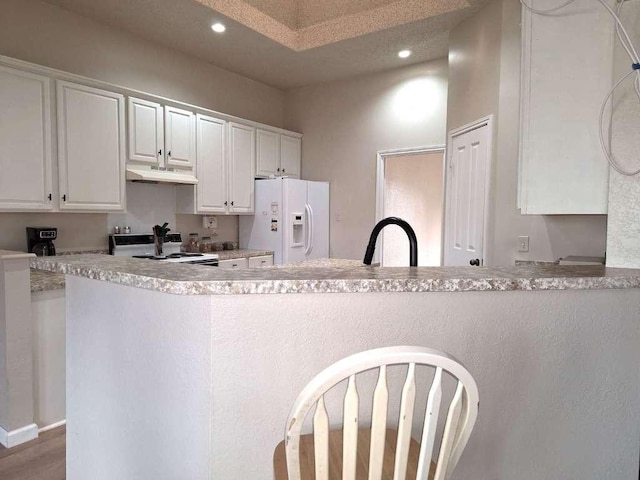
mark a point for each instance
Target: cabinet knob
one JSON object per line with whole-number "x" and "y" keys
{"x": 160, "y": 152}
{"x": 232, "y": 204}
{"x": 169, "y": 153}
{"x": 278, "y": 169}
{"x": 283, "y": 170}
{"x": 475, "y": 262}
{"x": 50, "y": 197}
{"x": 64, "y": 198}
{"x": 226, "y": 203}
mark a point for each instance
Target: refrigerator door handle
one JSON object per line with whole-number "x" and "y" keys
{"x": 307, "y": 211}
{"x": 311, "y": 223}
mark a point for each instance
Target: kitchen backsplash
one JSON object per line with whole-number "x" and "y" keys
{"x": 147, "y": 205}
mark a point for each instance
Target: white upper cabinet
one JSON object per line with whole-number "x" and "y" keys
{"x": 91, "y": 148}
{"x": 562, "y": 167}
{"x": 146, "y": 131}
{"x": 290, "y": 148}
{"x": 242, "y": 161}
{"x": 25, "y": 141}
{"x": 277, "y": 155}
{"x": 267, "y": 153}
{"x": 211, "y": 190}
{"x": 180, "y": 141}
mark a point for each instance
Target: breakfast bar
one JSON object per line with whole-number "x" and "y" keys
{"x": 189, "y": 372}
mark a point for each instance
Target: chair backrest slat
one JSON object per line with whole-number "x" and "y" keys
{"x": 378, "y": 425}
{"x": 460, "y": 418}
{"x": 405, "y": 422}
{"x": 321, "y": 441}
{"x": 430, "y": 425}
{"x": 449, "y": 434}
{"x": 350, "y": 431}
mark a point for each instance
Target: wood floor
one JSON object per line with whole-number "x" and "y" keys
{"x": 39, "y": 459}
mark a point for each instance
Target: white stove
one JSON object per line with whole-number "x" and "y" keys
{"x": 141, "y": 246}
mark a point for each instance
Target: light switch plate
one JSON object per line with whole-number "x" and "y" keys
{"x": 523, "y": 244}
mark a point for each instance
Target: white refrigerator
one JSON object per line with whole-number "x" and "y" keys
{"x": 291, "y": 219}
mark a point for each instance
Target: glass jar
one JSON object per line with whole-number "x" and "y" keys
{"x": 193, "y": 246}
{"x": 206, "y": 246}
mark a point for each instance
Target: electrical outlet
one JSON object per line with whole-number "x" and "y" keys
{"x": 523, "y": 244}
{"x": 210, "y": 222}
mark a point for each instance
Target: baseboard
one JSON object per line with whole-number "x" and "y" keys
{"x": 18, "y": 436}
{"x": 52, "y": 426}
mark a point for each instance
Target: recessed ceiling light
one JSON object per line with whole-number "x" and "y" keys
{"x": 404, "y": 53}
{"x": 218, "y": 27}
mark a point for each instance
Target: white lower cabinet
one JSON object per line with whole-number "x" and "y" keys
{"x": 261, "y": 261}
{"x": 91, "y": 148}
{"x": 235, "y": 263}
{"x": 25, "y": 141}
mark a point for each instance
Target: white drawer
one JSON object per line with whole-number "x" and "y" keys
{"x": 235, "y": 263}
{"x": 262, "y": 261}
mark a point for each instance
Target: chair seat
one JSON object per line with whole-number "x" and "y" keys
{"x": 307, "y": 471}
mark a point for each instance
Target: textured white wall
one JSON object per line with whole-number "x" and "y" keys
{"x": 623, "y": 240}
{"x": 346, "y": 123}
{"x": 148, "y": 371}
{"x": 48, "y": 311}
{"x": 16, "y": 388}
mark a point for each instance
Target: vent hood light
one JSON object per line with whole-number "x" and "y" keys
{"x": 149, "y": 175}
{"x": 218, "y": 27}
{"x": 404, "y": 53}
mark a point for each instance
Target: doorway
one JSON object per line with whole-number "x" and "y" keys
{"x": 468, "y": 173}
{"x": 411, "y": 186}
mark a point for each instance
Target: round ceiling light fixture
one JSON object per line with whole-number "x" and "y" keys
{"x": 404, "y": 53}
{"x": 218, "y": 27}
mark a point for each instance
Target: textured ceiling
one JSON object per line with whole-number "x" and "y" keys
{"x": 263, "y": 42}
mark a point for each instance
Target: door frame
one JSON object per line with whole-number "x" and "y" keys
{"x": 381, "y": 156}
{"x": 456, "y": 132}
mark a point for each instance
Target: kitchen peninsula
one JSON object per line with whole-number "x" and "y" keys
{"x": 189, "y": 372}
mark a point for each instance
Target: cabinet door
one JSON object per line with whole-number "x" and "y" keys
{"x": 91, "y": 148}
{"x": 261, "y": 261}
{"x": 146, "y": 131}
{"x": 25, "y": 140}
{"x": 242, "y": 166}
{"x": 267, "y": 153}
{"x": 290, "y": 156}
{"x": 233, "y": 264}
{"x": 212, "y": 176}
{"x": 180, "y": 141}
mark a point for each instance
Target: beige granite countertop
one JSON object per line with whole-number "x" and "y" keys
{"x": 333, "y": 276}
{"x": 42, "y": 280}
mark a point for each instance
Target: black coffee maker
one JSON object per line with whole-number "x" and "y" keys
{"x": 40, "y": 240}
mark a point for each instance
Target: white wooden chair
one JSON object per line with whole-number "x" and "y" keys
{"x": 298, "y": 457}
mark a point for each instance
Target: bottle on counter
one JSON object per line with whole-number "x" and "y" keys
{"x": 206, "y": 246}
{"x": 193, "y": 246}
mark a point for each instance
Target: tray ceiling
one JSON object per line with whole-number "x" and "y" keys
{"x": 289, "y": 43}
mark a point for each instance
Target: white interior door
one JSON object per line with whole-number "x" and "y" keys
{"x": 467, "y": 179}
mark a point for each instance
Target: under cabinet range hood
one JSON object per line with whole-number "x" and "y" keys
{"x": 154, "y": 175}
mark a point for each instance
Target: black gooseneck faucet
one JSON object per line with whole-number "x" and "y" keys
{"x": 413, "y": 241}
